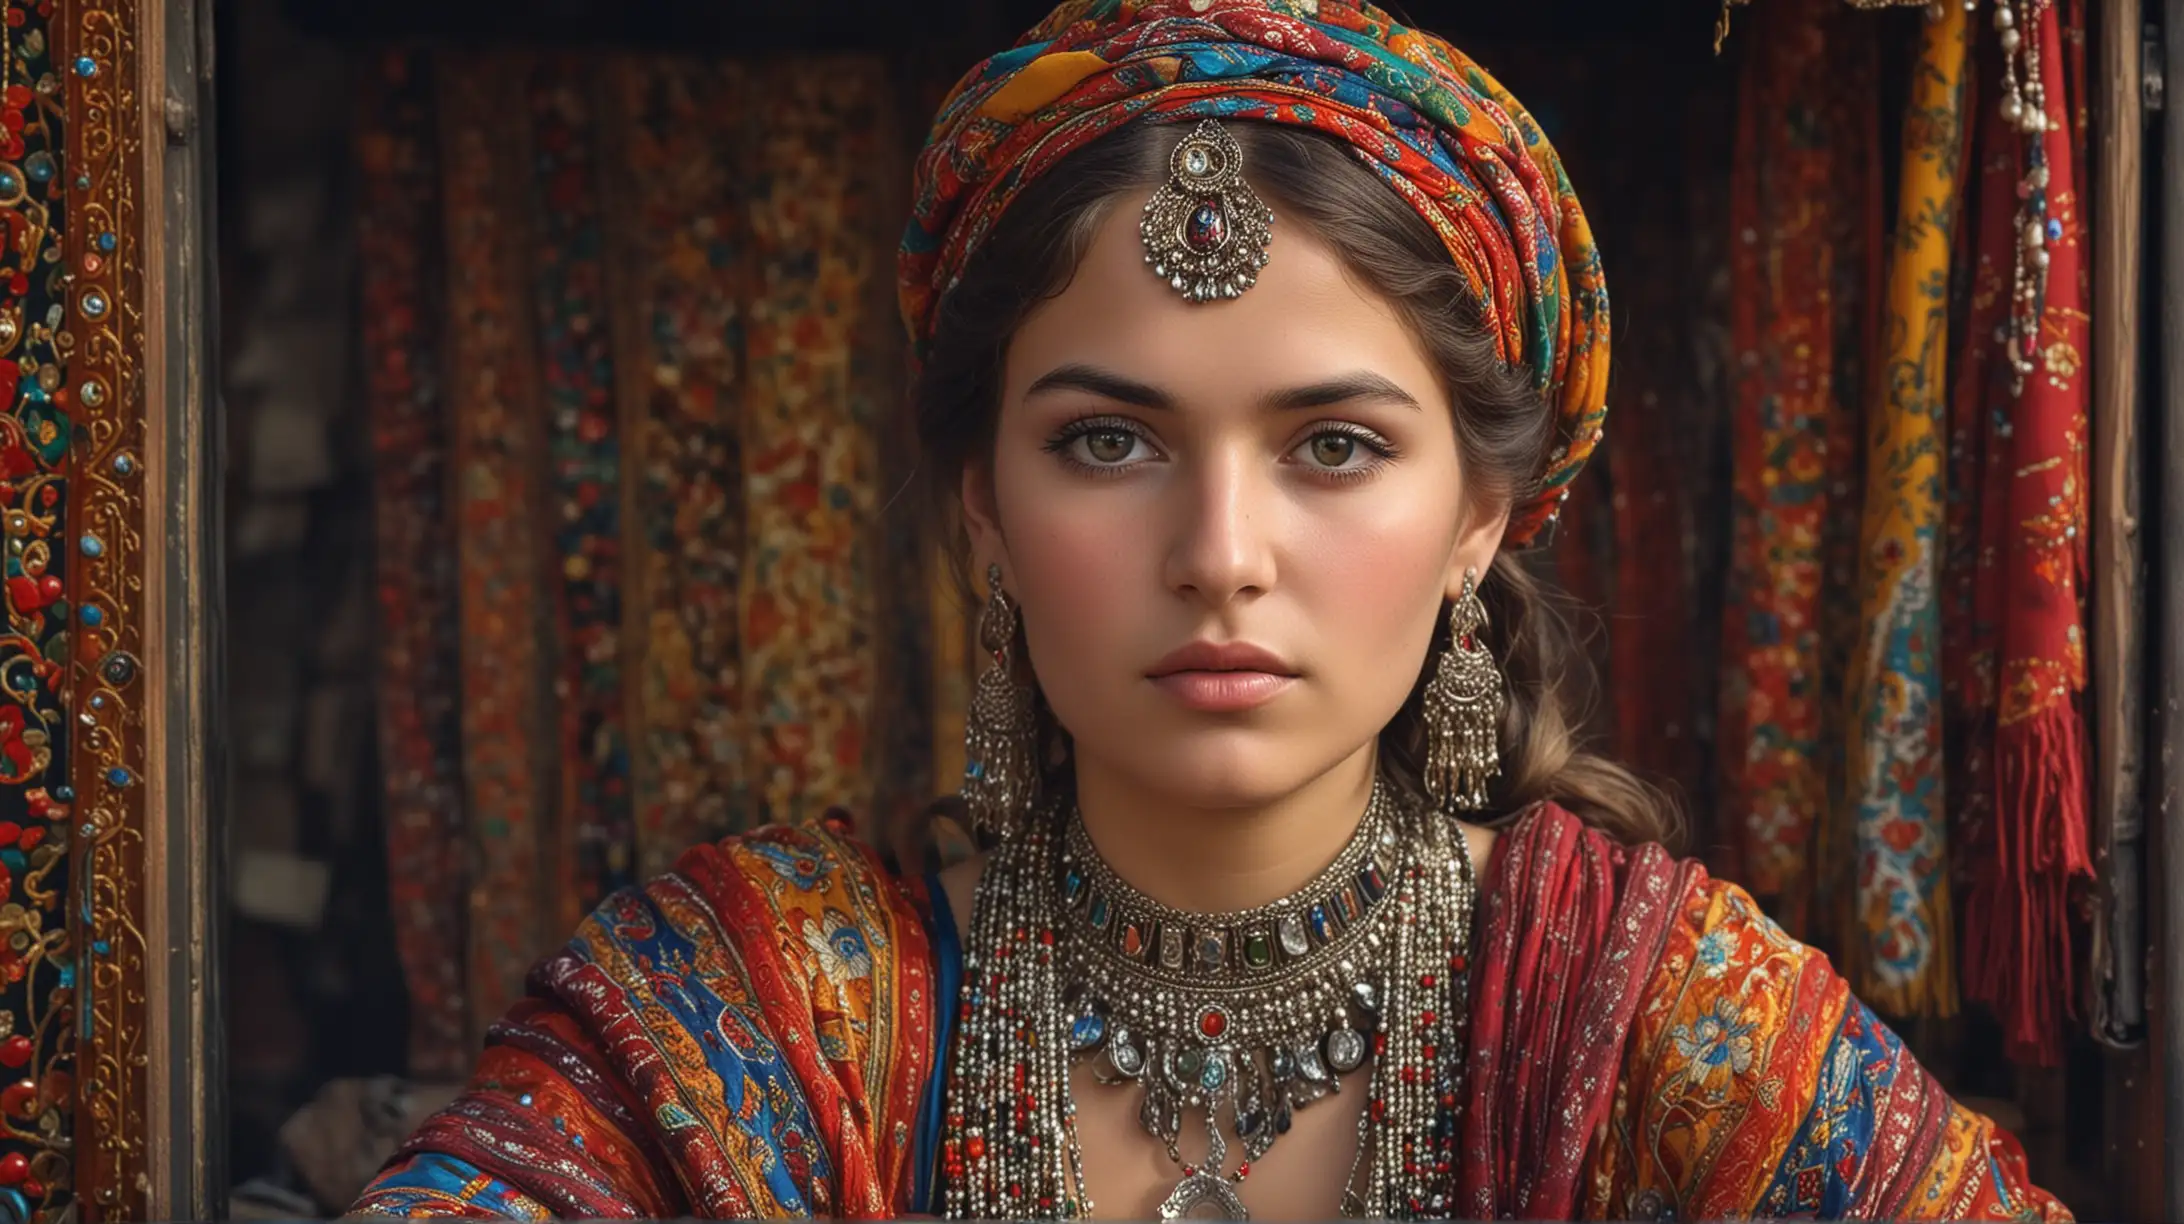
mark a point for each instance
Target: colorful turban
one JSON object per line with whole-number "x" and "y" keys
{"x": 1445, "y": 135}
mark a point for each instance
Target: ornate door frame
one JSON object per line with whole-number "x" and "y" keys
{"x": 112, "y": 769}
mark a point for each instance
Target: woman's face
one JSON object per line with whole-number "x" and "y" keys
{"x": 1278, "y": 472}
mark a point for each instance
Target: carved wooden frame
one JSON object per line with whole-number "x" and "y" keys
{"x": 139, "y": 554}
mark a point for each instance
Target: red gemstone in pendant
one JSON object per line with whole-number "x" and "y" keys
{"x": 1207, "y": 228}
{"x": 1133, "y": 940}
{"x": 1212, "y": 1023}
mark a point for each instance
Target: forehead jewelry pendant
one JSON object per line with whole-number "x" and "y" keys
{"x": 1206, "y": 231}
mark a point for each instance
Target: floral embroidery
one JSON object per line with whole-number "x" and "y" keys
{"x": 1713, "y": 953}
{"x": 1715, "y": 1040}
{"x": 840, "y": 946}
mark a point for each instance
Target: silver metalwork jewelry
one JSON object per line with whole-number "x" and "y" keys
{"x": 1243, "y": 1019}
{"x": 1463, "y": 709}
{"x": 1206, "y": 231}
{"x": 1000, "y": 730}
{"x": 1245, "y": 1016}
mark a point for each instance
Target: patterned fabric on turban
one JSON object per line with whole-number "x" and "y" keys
{"x": 1445, "y": 135}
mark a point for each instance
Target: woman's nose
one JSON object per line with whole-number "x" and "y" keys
{"x": 1221, "y": 513}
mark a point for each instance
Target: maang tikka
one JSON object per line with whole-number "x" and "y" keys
{"x": 1206, "y": 231}
{"x": 1463, "y": 709}
{"x": 1000, "y": 733}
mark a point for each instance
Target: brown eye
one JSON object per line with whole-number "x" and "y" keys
{"x": 1333, "y": 449}
{"x": 1109, "y": 445}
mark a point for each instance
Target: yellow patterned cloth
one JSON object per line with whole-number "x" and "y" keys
{"x": 1899, "y": 945}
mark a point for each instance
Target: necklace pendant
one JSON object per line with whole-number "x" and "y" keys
{"x": 1200, "y": 1190}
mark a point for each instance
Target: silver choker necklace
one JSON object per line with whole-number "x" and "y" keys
{"x": 1239, "y": 1018}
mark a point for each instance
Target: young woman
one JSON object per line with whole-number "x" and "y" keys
{"x": 1255, "y": 338}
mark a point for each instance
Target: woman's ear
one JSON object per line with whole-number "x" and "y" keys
{"x": 982, "y": 520}
{"x": 1475, "y": 550}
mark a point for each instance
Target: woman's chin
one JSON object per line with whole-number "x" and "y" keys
{"x": 1217, "y": 768}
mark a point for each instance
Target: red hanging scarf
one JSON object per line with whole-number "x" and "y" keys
{"x": 2034, "y": 848}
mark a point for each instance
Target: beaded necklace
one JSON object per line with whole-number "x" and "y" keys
{"x": 1239, "y": 1018}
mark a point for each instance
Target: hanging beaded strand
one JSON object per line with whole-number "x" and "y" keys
{"x": 1011, "y": 1150}
{"x": 2024, "y": 108}
{"x": 1409, "y": 1125}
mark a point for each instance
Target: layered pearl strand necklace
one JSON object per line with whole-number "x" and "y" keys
{"x": 1236, "y": 1018}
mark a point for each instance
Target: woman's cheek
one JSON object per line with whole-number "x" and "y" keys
{"x": 1374, "y": 563}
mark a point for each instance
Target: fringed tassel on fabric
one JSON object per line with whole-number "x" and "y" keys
{"x": 1898, "y": 946}
{"x": 2018, "y": 953}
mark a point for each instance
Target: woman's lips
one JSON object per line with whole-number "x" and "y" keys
{"x": 1223, "y": 692}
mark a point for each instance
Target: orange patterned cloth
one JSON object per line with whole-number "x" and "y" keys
{"x": 1754, "y": 1083}
{"x": 757, "y": 1033}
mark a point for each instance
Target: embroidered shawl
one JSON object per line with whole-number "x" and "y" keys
{"x": 753, "y": 1035}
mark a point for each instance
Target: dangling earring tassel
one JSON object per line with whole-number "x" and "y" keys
{"x": 1000, "y": 733}
{"x": 1463, "y": 709}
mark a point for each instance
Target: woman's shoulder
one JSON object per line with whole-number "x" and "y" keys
{"x": 1708, "y": 928}
{"x": 799, "y": 875}
{"x": 1750, "y": 1074}
{"x": 804, "y": 902}
{"x": 802, "y": 854}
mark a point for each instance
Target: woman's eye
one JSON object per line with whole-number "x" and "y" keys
{"x": 1332, "y": 449}
{"x": 1109, "y": 445}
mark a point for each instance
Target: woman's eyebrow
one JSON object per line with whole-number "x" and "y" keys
{"x": 1347, "y": 388}
{"x": 1350, "y": 388}
{"x": 1103, "y": 383}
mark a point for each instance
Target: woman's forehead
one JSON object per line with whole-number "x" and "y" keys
{"x": 1307, "y": 320}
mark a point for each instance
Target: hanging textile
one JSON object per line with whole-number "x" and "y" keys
{"x": 681, "y": 263}
{"x": 1971, "y": 602}
{"x": 1897, "y": 945}
{"x": 582, "y": 493}
{"x": 508, "y": 745}
{"x": 2034, "y": 849}
{"x": 399, "y": 276}
{"x": 809, "y": 424}
{"x": 654, "y": 406}
{"x": 1805, "y": 208}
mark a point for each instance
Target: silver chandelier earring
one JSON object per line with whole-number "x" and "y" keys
{"x": 1000, "y": 733}
{"x": 1463, "y": 709}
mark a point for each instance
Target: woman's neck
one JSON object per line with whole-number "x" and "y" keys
{"x": 1214, "y": 860}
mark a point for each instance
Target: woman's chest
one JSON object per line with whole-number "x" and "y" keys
{"x": 1129, "y": 1173}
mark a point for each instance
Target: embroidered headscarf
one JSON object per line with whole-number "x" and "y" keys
{"x": 1443, "y": 134}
